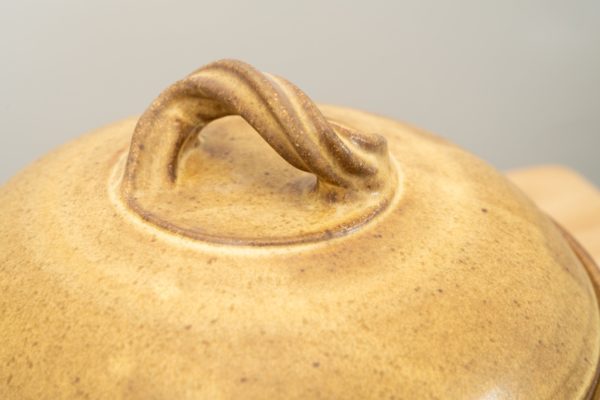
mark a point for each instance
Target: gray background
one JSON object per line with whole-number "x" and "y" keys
{"x": 516, "y": 82}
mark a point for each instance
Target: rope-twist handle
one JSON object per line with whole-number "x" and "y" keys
{"x": 282, "y": 114}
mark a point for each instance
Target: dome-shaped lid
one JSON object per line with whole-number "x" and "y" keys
{"x": 356, "y": 257}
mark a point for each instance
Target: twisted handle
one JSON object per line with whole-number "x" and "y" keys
{"x": 280, "y": 112}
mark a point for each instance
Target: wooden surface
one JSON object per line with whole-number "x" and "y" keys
{"x": 568, "y": 197}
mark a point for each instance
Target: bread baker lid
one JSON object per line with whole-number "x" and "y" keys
{"x": 238, "y": 241}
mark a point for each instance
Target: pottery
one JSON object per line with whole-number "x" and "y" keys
{"x": 239, "y": 241}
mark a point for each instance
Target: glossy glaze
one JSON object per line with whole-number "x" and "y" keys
{"x": 459, "y": 288}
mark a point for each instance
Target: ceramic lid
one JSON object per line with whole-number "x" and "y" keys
{"x": 238, "y": 241}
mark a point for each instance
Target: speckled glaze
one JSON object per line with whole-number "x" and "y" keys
{"x": 435, "y": 278}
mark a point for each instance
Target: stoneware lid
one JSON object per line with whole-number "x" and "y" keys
{"x": 237, "y": 241}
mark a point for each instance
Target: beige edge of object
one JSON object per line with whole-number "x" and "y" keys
{"x": 362, "y": 258}
{"x": 566, "y": 196}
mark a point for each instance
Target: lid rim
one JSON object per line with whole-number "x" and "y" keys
{"x": 593, "y": 272}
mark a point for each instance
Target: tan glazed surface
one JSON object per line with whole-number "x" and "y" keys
{"x": 300, "y": 252}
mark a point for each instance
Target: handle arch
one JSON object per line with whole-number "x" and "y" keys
{"x": 280, "y": 112}
{"x": 355, "y": 177}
